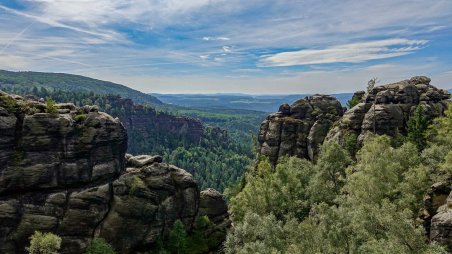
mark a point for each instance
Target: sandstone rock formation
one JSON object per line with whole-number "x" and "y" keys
{"x": 434, "y": 199}
{"x": 147, "y": 121}
{"x": 386, "y": 109}
{"x": 298, "y": 129}
{"x": 66, "y": 172}
{"x": 441, "y": 223}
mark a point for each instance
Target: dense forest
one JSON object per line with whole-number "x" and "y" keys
{"x": 368, "y": 202}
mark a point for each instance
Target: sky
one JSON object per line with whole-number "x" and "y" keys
{"x": 231, "y": 46}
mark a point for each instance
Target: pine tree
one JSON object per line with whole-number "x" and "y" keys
{"x": 417, "y": 128}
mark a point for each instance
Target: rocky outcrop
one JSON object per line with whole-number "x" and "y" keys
{"x": 64, "y": 170}
{"x": 298, "y": 129}
{"x": 213, "y": 206}
{"x": 435, "y": 197}
{"x": 386, "y": 109}
{"x": 441, "y": 224}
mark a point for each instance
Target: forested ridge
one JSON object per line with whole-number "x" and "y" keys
{"x": 23, "y": 80}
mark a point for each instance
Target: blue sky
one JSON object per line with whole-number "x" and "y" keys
{"x": 209, "y": 46}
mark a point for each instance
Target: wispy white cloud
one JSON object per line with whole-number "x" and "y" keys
{"x": 227, "y": 49}
{"x": 208, "y": 38}
{"x": 54, "y": 23}
{"x": 346, "y": 53}
{"x": 215, "y": 38}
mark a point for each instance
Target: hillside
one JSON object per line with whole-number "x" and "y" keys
{"x": 73, "y": 83}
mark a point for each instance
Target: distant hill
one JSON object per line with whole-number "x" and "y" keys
{"x": 264, "y": 103}
{"x": 73, "y": 83}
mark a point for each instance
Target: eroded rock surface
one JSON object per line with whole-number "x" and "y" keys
{"x": 386, "y": 109}
{"x": 66, "y": 172}
{"x": 298, "y": 129}
{"x": 441, "y": 224}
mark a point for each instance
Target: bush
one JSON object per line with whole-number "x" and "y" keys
{"x": 8, "y": 103}
{"x": 44, "y": 243}
{"x": 80, "y": 118}
{"x": 136, "y": 184}
{"x": 352, "y": 102}
{"x": 100, "y": 246}
{"x": 50, "y": 106}
{"x": 351, "y": 143}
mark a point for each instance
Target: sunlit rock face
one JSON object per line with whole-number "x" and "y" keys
{"x": 386, "y": 109}
{"x": 298, "y": 129}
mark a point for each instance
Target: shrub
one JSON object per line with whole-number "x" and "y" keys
{"x": 351, "y": 143}
{"x": 8, "y": 103}
{"x": 50, "y": 106}
{"x": 136, "y": 184}
{"x": 352, "y": 102}
{"x": 44, "y": 243}
{"x": 80, "y": 118}
{"x": 100, "y": 246}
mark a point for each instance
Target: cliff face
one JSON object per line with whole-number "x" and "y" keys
{"x": 298, "y": 129}
{"x": 146, "y": 120}
{"x": 386, "y": 109}
{"x": 66, "y": 172}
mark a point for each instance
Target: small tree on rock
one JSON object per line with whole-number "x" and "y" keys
{"x": 44, "y": 243}
{"x": 417, "y": 128}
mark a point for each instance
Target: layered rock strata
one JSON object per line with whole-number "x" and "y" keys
{"x": 298, "y": 129}
{"x": 64, "y": 170}
{"x": 386, "y": 109}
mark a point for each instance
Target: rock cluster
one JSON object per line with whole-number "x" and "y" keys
{"x": 66, "y": 172}
{"x": 386, "y": 109}
{"x": 298, "y": 129}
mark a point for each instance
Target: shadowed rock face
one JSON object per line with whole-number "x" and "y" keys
{"x": 440, "y": 229}
{"x": 67, "y": 173}
{"x": 434, "y": 199}
{"x": 137, "y": 118}
{"x": 298, "y": 129}
{"x": 387, "y": 109}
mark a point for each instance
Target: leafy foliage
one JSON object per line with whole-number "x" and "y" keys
{"x": 366, "y": 206}
{"x": 352, "y": 102}
{"x": 280, "y": 191}
{"x": 417, "y": 127}
{"x": 351, "y": 143}
{"x": 99, "y": 246}
{"x": 50, "y": 106}
{"x": 136, "y": 184}
{"x": 44, "y": 243}
{"x": 204, "y": 237}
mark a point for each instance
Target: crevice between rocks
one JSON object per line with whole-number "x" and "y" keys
{"x": 109, "y": 208}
